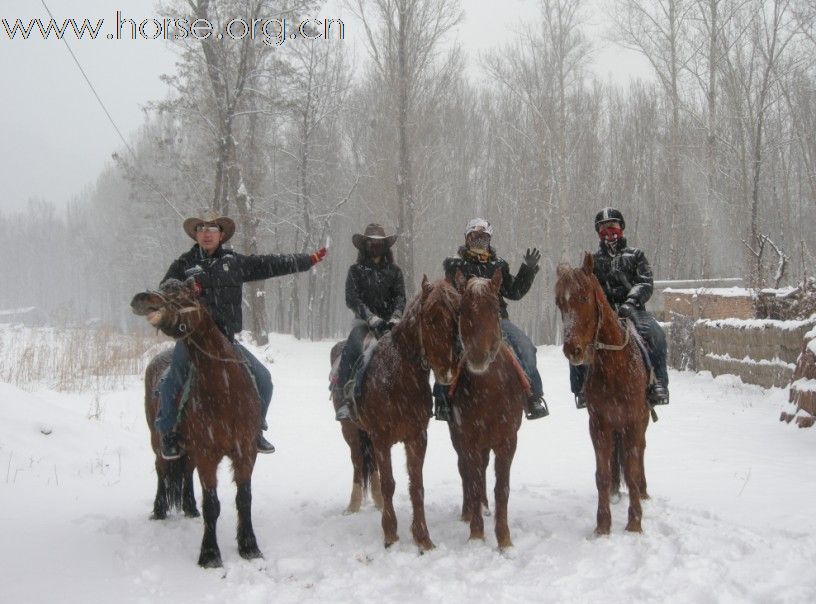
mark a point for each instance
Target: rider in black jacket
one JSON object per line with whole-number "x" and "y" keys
{"x": 477, "y": 258}
{"x": 219, "y": 275}
{"x": 626, "y": 279}
{"x": 375, "y": 293}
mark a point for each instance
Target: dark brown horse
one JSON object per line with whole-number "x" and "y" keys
{"x": 365, "y": 474}
{"x": 615, "y": 385}
{"x": 396, "y": 398}
{"x": 223, "y": 413}
{"x": 175, "y": 477}
{"x": 487, "y": 403}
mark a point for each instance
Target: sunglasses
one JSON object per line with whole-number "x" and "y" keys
{"x": 205, "y": 228}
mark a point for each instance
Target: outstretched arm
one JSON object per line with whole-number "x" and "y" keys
{"x": 254, "y": 268}
{"x": 515, "y": 288}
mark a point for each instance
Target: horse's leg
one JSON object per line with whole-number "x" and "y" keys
{"x": 617, "y": 462}
{"x": 188, "y": 500}
{"x": 473, "y": 484}
{"x": 387, "y": 485}
{"x": 242, "y": 470}
{"x": 644, "y": 494}
{"x": 352, "y": 436}
{"x": 503, "y": 462}
{"x": 631, "y": 472}
{"x": 602, "y": 442}
{"x": 415, "y": 457}
{"x": 160, "y": 501}
{"x": 210, "y": 556}
{"x": 485, "y": 463}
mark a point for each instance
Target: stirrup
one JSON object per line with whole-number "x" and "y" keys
{"x": 657, "y": 394}
{"x": 536, "y": 408}
{"x": 344, "y": 412}
{"x": 580, "y": 401}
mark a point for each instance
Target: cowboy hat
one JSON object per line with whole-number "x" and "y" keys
{"x": 210, "y": 217}
{"x": 372, "y": 231}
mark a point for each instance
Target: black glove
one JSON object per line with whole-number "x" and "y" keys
{"x": 626, "y": 310}
{"x": 532, "y": 257}
{"x": 375, "y": 323}
{"x": 395, "y": 318}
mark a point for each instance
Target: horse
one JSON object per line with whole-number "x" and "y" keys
{"x": 395, "y": 405}
{"x": 365, "y": 474}
{"x": 487, "y": 401}
{"x": 223, "y": 412}
{"x": 615, "y": 386}
{"x": 175, "y": 477}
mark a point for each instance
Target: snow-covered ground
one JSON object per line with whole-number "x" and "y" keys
{"x": 730, "y": 519}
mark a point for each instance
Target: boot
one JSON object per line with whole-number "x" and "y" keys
{"x": 344, "y": 412}
{"x": 170, "y": 448}
{"x": 580, "y": 401}
{"x": 657, "y": 394}
{"x": 536, "y": 407}
{"x": 442, "y": 408}
{"x": 264, "y": 446}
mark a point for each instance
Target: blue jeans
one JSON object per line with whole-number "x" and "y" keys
{"x": 173, "y": 378}
{"x": 525, "y": 352}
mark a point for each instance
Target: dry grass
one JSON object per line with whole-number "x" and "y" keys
{"x": 73, "y": 360}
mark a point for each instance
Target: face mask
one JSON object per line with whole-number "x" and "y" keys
{"x": 479, "y": 241}
{"x": 376, "y": 248}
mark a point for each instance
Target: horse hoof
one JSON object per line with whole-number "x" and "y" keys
{"x": 191, "y": 513}
{"x": 210, "y": 560}
{"x": 251, "y": 554}
{"x": 601, "y": 532}
{"x": 644, "y": 495}
{"x": 634, "y": 527}
{"x": 351, "y": 510}
{"x": 426, "y": 546}
{"x": 157, "y": 515}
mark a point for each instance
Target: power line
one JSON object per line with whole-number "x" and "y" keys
{"x": 105, "y": 109}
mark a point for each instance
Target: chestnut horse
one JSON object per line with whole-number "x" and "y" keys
{"x": 175, "y": 477}
{"x": 487, "y": 402}
{"x": 223, "y": 413}
{"x": 615, "y": 385}
{"x": 365, "y": 474}
{"x": 395, "y": 405}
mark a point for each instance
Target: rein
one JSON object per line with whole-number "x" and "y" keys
{"x": 187, "y": 334}
{"x": 597, "y": 344}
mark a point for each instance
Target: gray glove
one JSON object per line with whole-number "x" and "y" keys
{"x": 375, "y": 323}
{"x": 532, "y": 257}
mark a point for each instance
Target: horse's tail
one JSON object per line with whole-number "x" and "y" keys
{"x": 367, "y": 452}
{"x": 174, "y": 482}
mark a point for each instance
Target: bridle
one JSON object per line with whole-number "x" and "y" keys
{"x": 596, "y": 343}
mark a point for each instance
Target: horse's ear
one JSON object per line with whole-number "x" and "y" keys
{"x": 460, "y": 281}
{"x": 589, "y": 262}
{"x": 426, "y": 287}
{"x": 562, "y": 269}
{"x": 496, "y": 281}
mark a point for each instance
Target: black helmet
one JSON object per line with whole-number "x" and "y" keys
{"x": 608, "y": 214}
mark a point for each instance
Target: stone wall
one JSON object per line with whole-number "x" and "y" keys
{"x": 761, "y": 352}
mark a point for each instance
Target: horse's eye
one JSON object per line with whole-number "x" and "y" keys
{"x": 583, "y": 299}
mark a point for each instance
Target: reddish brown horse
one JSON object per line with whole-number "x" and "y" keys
{"x": 396, "y": 397}
{"x": 487, "y": 403}
{"x": 175, "y": 477}
{"x": 365, "y": 474}
{"x": 223, "y": 412}
{"x": 615, "y": 385}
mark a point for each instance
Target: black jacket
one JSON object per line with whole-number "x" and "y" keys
{"x": 375, "y": 289}
{"x": 626, "y": 275}
{"x": 222, "y": 275}
{"x": 513, "y": 288}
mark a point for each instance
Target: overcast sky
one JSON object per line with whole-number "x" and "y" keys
{"x": 55, "y": 137}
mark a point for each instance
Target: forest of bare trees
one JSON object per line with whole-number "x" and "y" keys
{"x": 712, "y": 159}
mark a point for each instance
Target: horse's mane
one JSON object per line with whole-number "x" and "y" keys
{"x": 447, "y": 294}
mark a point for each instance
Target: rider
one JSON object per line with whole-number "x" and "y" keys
{"x": 477, "y": 258}
{"x": 375, "y": 293}
{"x": 219, "y": 274}
{"x": 626, "y": 278}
